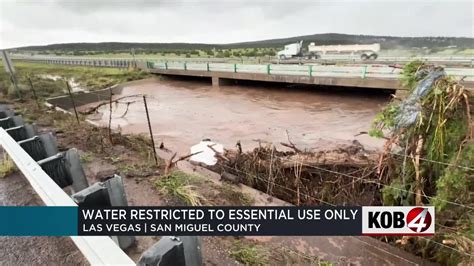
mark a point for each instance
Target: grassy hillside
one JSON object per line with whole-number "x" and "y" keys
{"x": 387, "y": 42}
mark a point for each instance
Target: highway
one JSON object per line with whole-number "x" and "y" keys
{"x": 448, "y": 61}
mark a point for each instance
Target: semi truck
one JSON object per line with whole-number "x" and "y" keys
{"x": 296, "y": 50}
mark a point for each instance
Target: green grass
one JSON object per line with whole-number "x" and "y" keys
{"x": 128, "y": 168}
{"x": 177, "y": 184}
{"x": 258, "y": 52}
{"x": 7, "y": 166}
{"x": 87, "y": 157}
{"x": 163, "y": 54}
{"x": 249, "y": 254}
{"x": 89, "y": 78}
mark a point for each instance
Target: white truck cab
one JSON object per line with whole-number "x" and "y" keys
{"x": 290, "y": 50}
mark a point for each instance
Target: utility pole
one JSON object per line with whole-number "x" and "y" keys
{"x": 8, "y": 65}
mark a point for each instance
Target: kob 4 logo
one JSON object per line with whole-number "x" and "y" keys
{"x": 398, "y": 220}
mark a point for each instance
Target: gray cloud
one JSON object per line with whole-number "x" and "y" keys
{"x": 29, "y": 22}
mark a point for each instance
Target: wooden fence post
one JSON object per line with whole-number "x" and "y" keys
{"x": 72, "y": 101}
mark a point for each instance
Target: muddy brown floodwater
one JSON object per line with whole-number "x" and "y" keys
{"x": 185, "y": 111}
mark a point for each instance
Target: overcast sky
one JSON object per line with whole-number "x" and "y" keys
{"x": 37, "y": 22}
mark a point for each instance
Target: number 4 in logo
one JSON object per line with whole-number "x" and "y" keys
{"x": 419, "y": 219}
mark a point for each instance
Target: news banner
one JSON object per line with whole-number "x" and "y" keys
{"x": 217, "y": 221}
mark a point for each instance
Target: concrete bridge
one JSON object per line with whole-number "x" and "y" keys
{"x": 375, "y": 76}
{"x": 363, "y": 76}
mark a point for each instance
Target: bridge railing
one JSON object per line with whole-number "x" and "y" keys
{"x": 362, "y": 71}
{"x": 95, "y": 62}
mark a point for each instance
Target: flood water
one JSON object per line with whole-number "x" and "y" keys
{"x": 185, "y": 111}
{"x": 75, "y": 86}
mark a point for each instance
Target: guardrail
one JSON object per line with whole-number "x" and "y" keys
{"x": 116, "y": 63}
{"x": 364, "y": 71}
{"x": 327, "y": 59}
{"x": 48, "y": 171}
{"x": 98, "y": 250}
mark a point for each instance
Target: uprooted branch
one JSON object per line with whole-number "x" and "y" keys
{"x": 172, "y": 162}
{"x": 95, "y": 108}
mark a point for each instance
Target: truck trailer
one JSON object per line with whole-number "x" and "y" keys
{"x": 296, "y": 50}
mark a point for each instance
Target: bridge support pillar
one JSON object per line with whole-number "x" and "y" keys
{"x": 216, "y": 82}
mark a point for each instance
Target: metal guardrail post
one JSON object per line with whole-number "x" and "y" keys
{"x": 166, "y": 65}
{"x": 364, "y": 72}
{"x": 235, "y": 68}
{"x": 98, "y": 250}
{"x": 268, "y": 69}
{"x": 310, "y": 70}
{"x": 185, "y": 66}
{"x": 207, "y": 65}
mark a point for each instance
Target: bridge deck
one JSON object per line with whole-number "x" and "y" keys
{"x": 366, "y": 76}
{"x": 375, "y": 83}
{"x": 374, "y": 76}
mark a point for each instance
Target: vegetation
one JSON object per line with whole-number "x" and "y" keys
{"x": 86, "y": 157}
{"x": 249, "y": 254}
{"x": 391, "y": 46}
{"x": 388, "y": 42}
{"x": 177, "y": 184}
{"x": 430, "y": 160}
{"x": 49, "y": 80}
{"x": 7, "y": 166}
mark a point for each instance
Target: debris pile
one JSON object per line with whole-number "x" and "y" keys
{"x": 341, "y": 176}
{"x": 429, "y": 155}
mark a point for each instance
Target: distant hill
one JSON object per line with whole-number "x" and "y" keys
{"x": 387, "y": 42}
